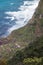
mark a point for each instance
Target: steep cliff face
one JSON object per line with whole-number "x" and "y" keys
{"x": 22, "y": 37}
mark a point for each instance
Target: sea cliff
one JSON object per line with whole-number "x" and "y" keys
{"x": 20, "y": 38}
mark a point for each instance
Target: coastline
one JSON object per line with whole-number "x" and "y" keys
{"x": 19, "y": 38}
{"x": 26, "y": 43}
{"x": 30, "y": 21}
{"x": 16, "y": 27}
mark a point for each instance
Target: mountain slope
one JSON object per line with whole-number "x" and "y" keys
{"x": 22, "y": 37}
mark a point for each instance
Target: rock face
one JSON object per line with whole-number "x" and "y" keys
{"x": 22, "y": 37}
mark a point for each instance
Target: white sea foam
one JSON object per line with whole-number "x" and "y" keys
{"x": 26, "y": 12}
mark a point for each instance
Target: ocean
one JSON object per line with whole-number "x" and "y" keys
{"x": 15, "y": 14}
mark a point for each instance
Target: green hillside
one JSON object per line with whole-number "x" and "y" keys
{"x": 29, "y": 36}
{"x": 31, "y": 55}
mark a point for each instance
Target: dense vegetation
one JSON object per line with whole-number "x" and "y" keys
{"x": 31, "y": 55}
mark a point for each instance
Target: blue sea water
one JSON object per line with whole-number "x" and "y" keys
{"x": 14, "y": 14}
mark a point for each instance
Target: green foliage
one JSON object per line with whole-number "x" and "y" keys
{"x": 41, "y": 23}
{"x": 29, "y": 54}
{"x": 33, "y": 61}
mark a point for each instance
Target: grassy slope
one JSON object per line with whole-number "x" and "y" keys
{"x": 22, "y": 37}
